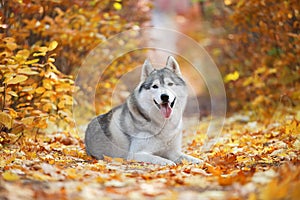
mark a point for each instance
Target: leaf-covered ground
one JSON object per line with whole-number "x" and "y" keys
{"x": 250, "y": 161}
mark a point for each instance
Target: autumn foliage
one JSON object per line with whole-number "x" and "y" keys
{"x": 33, "y": 90}
{"x": 262, "y": 51}
{"x": 42, "y": 46}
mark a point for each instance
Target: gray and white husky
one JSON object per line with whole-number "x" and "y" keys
{"x": 148, "y": 126}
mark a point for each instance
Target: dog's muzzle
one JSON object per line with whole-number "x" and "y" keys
{"x": 165, "y": 108}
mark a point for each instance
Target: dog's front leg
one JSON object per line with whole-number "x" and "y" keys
{"x": 150, "y": 158}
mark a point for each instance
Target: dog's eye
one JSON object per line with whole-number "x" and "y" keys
{"x": 154, "y": 86}
{"x": 170, "y": 84}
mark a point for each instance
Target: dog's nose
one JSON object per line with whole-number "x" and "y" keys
{"x": 164, "y": 97}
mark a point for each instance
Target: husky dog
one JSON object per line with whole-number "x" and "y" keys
{"x": 148, "y": 126}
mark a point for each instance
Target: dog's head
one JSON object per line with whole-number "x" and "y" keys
{"x": 163, "y": 90}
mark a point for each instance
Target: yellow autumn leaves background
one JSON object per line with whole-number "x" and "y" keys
{"x": 43, "y": 44}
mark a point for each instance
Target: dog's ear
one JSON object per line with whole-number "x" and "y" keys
{"x": 173, "y": 65}
{"x": 146, "y": 69}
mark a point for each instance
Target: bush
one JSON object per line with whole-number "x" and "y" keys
{"x": 43, "y": 43}
{"x": 32, "y": 90}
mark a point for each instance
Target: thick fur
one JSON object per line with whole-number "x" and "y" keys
{"x": 148, "y": 126}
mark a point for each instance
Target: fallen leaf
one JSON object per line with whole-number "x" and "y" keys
{"x": 10, "y": 176}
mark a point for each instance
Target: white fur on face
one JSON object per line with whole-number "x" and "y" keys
{"x": 155, "y": 83}
{"x": 156, "y": 93}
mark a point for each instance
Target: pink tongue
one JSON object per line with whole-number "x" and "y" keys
{"x": 166, "y": 110}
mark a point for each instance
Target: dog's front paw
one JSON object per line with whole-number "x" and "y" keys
{"x": 195, "y": 160}
{"x": 189, "y": 158}
{"x": 166, "y": 162}
{"x": 163, "y": 162}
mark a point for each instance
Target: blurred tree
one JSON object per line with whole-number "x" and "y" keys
{"x": 78, "y": 26}
{"x": 262, "y": 53}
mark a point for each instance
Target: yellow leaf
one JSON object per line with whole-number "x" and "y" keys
{"x": 227, "y": 2}
{"x": 6, "y": 120}
{"x": 47, "y": 107}
{"x": 39, "y": 54}
{"x": 117, "y": 6}
{"x": 12, "y": 113}
{"x": 27, "y": 120}
{"x": 297, "y": 115}
{"x": 40, "y": 90}
{"x": 42, "y": 124}
{"x": 11, "y": 46}
{"x": 99, "y": 179}
{"x": 106, "y": 15}
{"x": 53, "y": 67}
{"x": 51, "y": 59}
{"x": 260, "y": 70}
{"x": 232, "y": 77}
{"x": 12, "y": 93}
{"x": 272, "y": 71}
{"x": 120, "y": 160}
{"x": 61, "y": 104}
{"x": 9, "y": 75}
{"x": 27, "y": 89}
{"x": 52, "y": 118}
{"x": 17, "y": 79}
{"x": 24, "y": 53}
{"x": 40, "y": 177}
{"x": 10, "y": 176}
{"x": 52, "y": 45}
{"x": 27, "y": 71}
{"x": 47, "y": 83}
{"x": 9, "y": 39}
{"x": 23, "y": 105}
{"x": 50, "y": 94}
{"x": 248, "y": 81}
{"x": 43, "y": 49}
{"x": 71, "y": 173}
{"x": 63, "y": 87}
{"x": 68, "y": 100}
{"x": 29, "y": 62}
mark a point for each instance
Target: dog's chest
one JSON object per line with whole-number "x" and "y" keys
{"x": 156, "y": 144}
